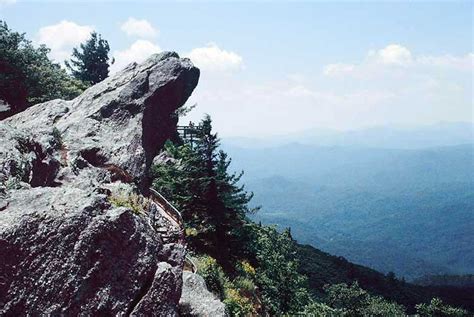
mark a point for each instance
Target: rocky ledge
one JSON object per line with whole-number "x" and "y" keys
{"x": 76, "y": 232}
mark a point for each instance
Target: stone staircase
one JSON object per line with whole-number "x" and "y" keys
{"x": 169, "y": 224}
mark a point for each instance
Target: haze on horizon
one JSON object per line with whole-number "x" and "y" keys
{"x": 286, "y": 67}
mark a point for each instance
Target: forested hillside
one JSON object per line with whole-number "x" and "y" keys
{"x": 406, "y": 211}
{"x": 247, "y": 264}
{"x": 323, "y": 268}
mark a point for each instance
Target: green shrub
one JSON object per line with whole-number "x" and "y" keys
{"x": 236, "y": 304}
{"x": 438, "y": 308}
{"x": 315, "y": 309}
{"x": 246, "y": 269}
{"x": 134, "y": 202}
{"x": 378, "y": 306}
{"x": 355, "y": 301}
{"x": 213, "y": 275}
{"x": 245, "y": 286}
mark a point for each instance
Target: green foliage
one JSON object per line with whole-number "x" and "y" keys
{"x": 283, "y": 289}
{"x": 255, "y": 269}
{"x": 137, "y": 203}
{"x": 377, "y": 306}
{"x": 89, "y": 63}
{"x": 245, "y": 285}
{"x": 28, "y": 76}
{"x": 184, "y": 110}
{"x": 437, "y": 308}
{"x": 236, "y": 295}
{"x": 237, "y": 304}
{"x": 322, "y": 268}
{"x": 213, "y": 274}
{"x": 12, "y": 183}
{"x": 352, "y": 298}
{"x": 354, "y": 301}
{"x": 315, "y": 309}
{"x": 213, "y": 204}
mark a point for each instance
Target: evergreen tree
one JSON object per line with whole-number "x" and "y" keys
{"x": 283, "y": 289}
{"x": 213, "y": 205}
{"x": 28, "y": 76}
{"x": 89, "y": 63}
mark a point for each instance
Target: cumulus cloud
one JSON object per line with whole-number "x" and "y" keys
{"x": 62, "y": 37}
{"x": 139, "y": 28}
{"x": 390, "y": 85}
{"x": 137, "y": 52}
{"x": 392, "y": 54}
{"x": 212, "y": 58}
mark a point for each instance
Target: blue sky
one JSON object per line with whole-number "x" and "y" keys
{"x": 277, "y": 67}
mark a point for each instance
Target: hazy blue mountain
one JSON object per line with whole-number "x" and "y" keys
{"x": 402, "y": 210}
{"x": 440, "y": 134}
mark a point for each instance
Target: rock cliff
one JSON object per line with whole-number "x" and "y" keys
{"x": 76, "y": 234}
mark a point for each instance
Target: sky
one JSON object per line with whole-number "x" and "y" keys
{"x": 279, "y": 67}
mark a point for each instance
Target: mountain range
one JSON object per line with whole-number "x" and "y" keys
{"x": 406, "y": 209}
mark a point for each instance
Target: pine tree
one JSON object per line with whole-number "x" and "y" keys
{"x": 89, "y": 63}
{"x": 283, "y": 289}
{"x": 213, "y": 205}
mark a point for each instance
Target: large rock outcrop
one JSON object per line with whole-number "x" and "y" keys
{"x": 196, "y": 300}
{"x": 76, "y": 234}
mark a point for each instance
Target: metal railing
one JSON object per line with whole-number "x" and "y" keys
{"x": 190, "y": 263}
{"x": 170, "y": 210}
{"x": 174, "y": 214}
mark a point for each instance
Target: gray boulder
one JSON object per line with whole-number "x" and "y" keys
{"x": 196, "y": 300}
{"x": 77, "y": 234}
{"x": 122, "y": 121}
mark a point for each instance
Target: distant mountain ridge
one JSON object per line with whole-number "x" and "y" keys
{"x": 395, "y": 137}
{"x": 404, "y": 210}
{"x": 447, "y": 280}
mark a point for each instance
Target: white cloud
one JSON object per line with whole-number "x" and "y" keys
{"x": 397, "y": 59}
{"x": 7, "y": 2}
{"x": 390, "y": 85}
{"x": 137, "y": 52}
{"x": 212, "y": 58}
{"x": 465, "y": 62}
{"x": 62, "y": 37}
{"x": 139, "y": 28}
{"x": 392, "y": 54}
{"x": 338, "y": 69}
{"x": 300, "y": 91}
